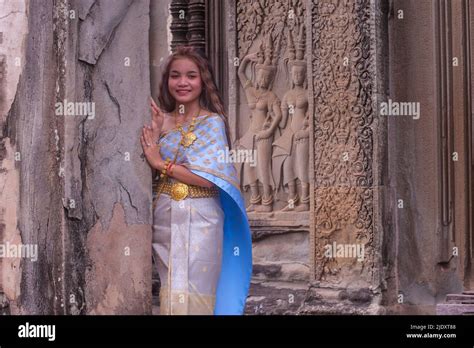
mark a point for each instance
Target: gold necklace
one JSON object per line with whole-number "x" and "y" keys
{"x": 188, "y": 137}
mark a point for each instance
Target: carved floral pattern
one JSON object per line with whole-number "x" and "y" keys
{"x": 258, "y": 18}
{"x": 343, "y": 123}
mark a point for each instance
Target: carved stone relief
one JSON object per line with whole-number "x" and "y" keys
{"x": 343, "y": 138}
{"x": 291, "y": 150}
{"x": 314, "y": 146}
{"x": 272, "y": 73}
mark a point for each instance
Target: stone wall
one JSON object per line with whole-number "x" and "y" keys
{"x": 84, "y": 193}
{"x": 307, "y": 79}
{"x": 428, "y": 207}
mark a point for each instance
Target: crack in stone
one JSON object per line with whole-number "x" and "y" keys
{"x": 12, "y": 12}
{"x": 129, "y": 198}
{"x": 114, "y": 100}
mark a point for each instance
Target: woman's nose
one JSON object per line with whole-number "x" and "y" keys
{"x": 182, "y": 82}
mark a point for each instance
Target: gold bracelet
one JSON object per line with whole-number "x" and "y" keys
{"x": 167, "y": 168}
{"x": 170, "y": 169}
{"x": 163, "y": 171}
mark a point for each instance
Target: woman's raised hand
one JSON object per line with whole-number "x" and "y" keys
{"x": 157, "y": 119}
{"x": 150, "y": 150}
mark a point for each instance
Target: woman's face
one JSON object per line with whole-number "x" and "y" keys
{"x": 184, "y": 82}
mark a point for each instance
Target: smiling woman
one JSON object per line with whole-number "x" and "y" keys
{"x": 201, "y": 237}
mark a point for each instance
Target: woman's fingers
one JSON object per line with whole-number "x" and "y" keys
{"x": 148, "y": 139}
{"x": 142, "y": 141}
{"x": 156, "y": 115}
{"x": 156, "y": 110}
{"x": 150, "y": 132}
{"x": 153, "y": 104}
{"x": 145, "y": 137}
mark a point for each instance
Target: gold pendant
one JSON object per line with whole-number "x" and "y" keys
{"x": 188, "y": 139}
{"x": 179, "y": 191}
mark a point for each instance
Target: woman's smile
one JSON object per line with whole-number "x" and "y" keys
{"x": 182, "y": 91}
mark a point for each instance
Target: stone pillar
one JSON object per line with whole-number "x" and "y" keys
{"x": 196, "y": 24}
{"x": 430, "y": 154}
{"x": 160, "y": 48}
{"x": 13, "y": 29}
{"x": 217, "y": 45}
{"x": 179, "y": 24}
{"x": 160, "y": 40}
{"x": 84, "y": 196}
{"x": 347, "y": 86}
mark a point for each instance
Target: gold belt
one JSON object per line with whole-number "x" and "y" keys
{"x": 179, "y": 190}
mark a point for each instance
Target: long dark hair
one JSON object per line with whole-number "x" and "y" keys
{"x": 210, "y": 97}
